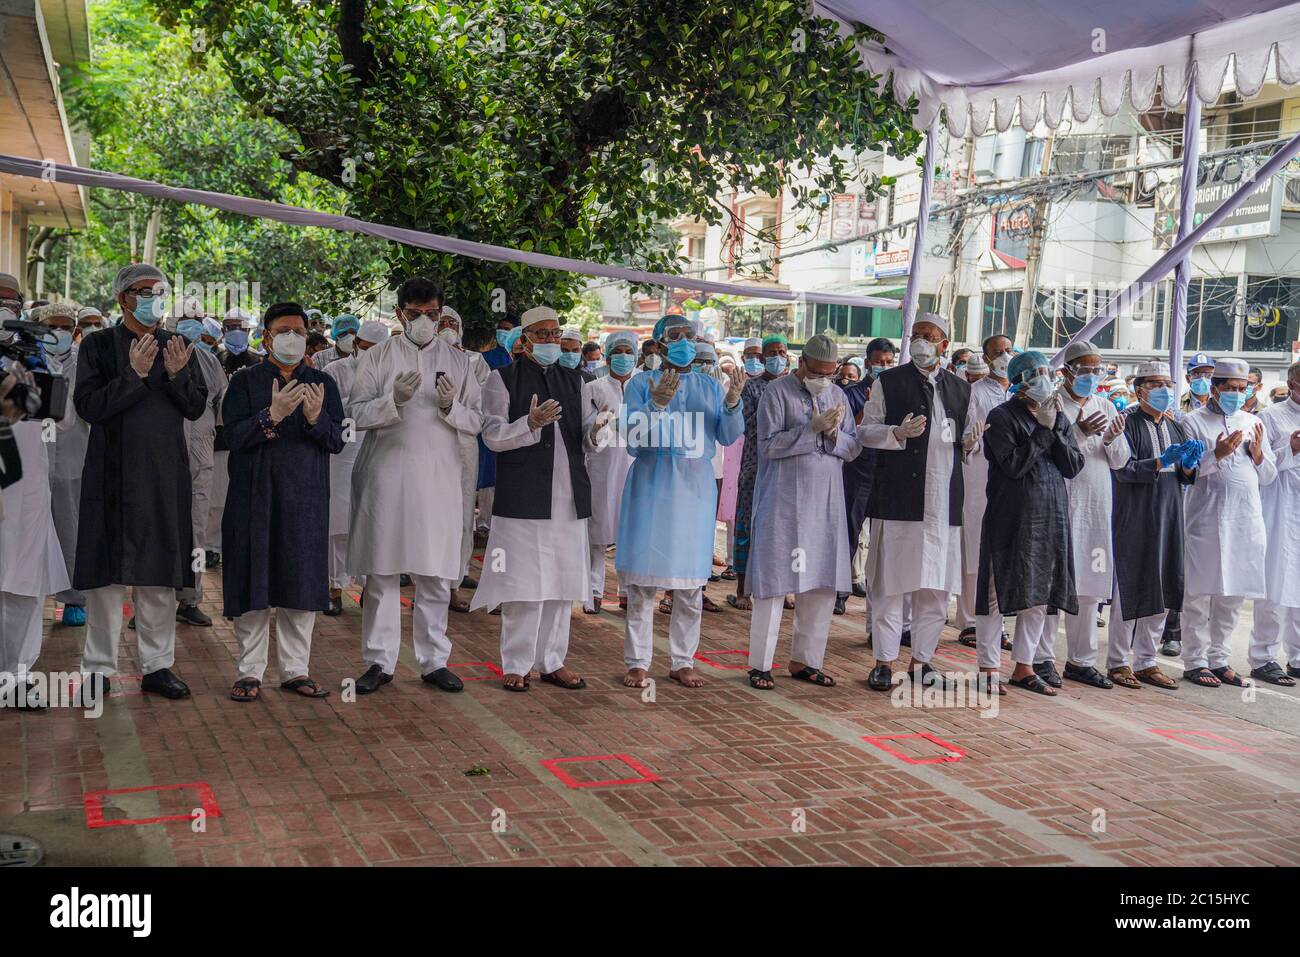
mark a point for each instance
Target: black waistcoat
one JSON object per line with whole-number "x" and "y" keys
{"x": 523, "y": 488}
{"x": 898, "y": 491}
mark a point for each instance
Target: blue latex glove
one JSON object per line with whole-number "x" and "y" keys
{"x": 1173, "y": 454}
{"x": 1192, "y": 454}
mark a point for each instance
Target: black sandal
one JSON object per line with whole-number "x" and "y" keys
{"x": 1273, "y": 674}
{"x": 298, "y": 684}
{"x": 1203, "y": 677}
{"x": 967, "y": 638}
{"x": 518, "y": 689}
{"x": 814, "y": 676}
{"x": 1229, "y": 677}
{"x": 755, "y": 676}
{"x": 728, "y": 574}
{"x": 251, "y": 688}
{"x": 1033, "y": 683}
{"x": 576, "y": 685}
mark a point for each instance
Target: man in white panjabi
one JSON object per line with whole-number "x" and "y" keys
{"x": 607, "y": 464}
{"x": 916, "y": 416}
{"x": 536, "y": 413}
{"x": 1277, "y": 617}
{"x": 344, "y": 373}
{"x": 1098, "y": 429}
{"x": 1225, "y": 541}
{"x": 413, "y": 394}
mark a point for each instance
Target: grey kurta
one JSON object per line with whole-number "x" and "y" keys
{"x": 799, "y": 538}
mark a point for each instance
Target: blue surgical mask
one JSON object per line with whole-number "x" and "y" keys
{"x": 622, "y": 363}
{"x": 1085, "y": 385}
{"x": 959, "y": 368}
{"x": 681, "y": 352}
{"x": 236, "y": 341}
{"x": 191, "y": 329}
{"x": 1201, "y": 387}
{"x": 204, "y": 346}
{"x": 754, "y": 366}
{"x": 1119, "y": 401}
{"x": 570, "y": 360}
{"x": 1250, "y": 392}
{"x": 62, "y": 342}
{"x": 546, "y": 352}
{"x": 1231, "y": 402}
{"x": 1161, "y": 399}
{"x": 775, "y": 365}
{"x": 876, "y": 370}
{"x": 1038, "y": 388}
{"x": 591, "y": 366}
{"x": 502, "y": 337}
{"x": 149, "y": 309}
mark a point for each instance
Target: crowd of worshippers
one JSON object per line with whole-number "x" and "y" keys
{"x": 975, "y": 486}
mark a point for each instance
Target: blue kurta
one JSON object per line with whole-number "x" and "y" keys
{"x": 799, "y": 541}
{"x": 670, "y": 501}
{"x": 275, "y": 530}
{"x": 496, "y": 358}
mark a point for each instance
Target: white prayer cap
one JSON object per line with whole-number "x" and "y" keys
{"x": 821, "y": 348}
{"x": 934, "y": 320}
{"x": 448, "y": 313}
{"x": 976, "y": 364}
{"x": 538, "y": 314}
{"x": 1231, "y": 369}
{"x": 47, "y": 312}
{"x": 1079, "y": 349}
{"x": 84, "y": 312}
{"x": 705, "y": 350}
{"x": 373, "y": 331}
{"x": 237, "y": 313}
{"x": 134, "y": 273}
{"x": 754, "y": 343}
{"x": 211, "y": 327}
{"x": 1152, "y": 370}
{"x": 10, "y": 281}
{"x": 620, "y": 338}
{"x": 571, "y": 332}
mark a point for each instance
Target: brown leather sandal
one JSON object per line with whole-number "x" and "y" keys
{"x": 1124, "y": 677}
{"x": 1154, "y": 676}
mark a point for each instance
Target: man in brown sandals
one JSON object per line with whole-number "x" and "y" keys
{"x": 283, "y": 420}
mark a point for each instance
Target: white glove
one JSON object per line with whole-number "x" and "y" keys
{"x": 973, "y": 438}
{"x": 600, "y": 428}
{"x": 446, "y": 392}
{"x": 1046, "y": 413}
{"x": 827, "y": 420}
{"x": 910, "y": 427}
{"x": 662, "y": 392}
{"x": 405, "y": 386}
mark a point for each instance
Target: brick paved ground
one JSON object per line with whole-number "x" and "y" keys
{"x": 721, "y": 775}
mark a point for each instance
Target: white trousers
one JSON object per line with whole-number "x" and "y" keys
{"x": 929, "y": 613}
{"x": 597, "y": 559}
{"x": 381, "y": 622}
{"x": 534, "y": 634}
{"x": 966, "y": 602}
{"x": 1034, "y": 639}
{"x": 292, "y": 641}
{"x": 155, "y": 628}
{"x": 20, "y": 632}
{"x": 812, "y": 623}
{"x": 1208, "y": 621}
{"x": 1081, "y": 632}
{"x": 1276, "y": 629}
{"x": 65, "y": 503}
{"x": 1137, "y": 639}
{"x": 683, "y": 626}
{"x": 217, "y": 500}
{"x": 467, "y": 498}
{"x": 339, "y": 577}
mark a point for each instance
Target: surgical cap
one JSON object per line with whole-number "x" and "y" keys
{"x": 134, "y": 273}
{"x": 345, "y": 323}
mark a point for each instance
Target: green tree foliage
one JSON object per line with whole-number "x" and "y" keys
{"x": 158, "y": 108}
{"x": 569, "y": 127}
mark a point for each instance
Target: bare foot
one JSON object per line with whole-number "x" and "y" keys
{"x": 515, "y": 681}
{"x": 687, "y": 677}
{"x": 635, "y": 678}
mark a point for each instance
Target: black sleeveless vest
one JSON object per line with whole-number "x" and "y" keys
{"x": 523, "y": 488}
{"x": 898, "y": 491}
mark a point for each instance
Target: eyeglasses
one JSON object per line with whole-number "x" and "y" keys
{"x": 679, "y": 332}
{"x": 543, "y": 335}
{"x": 410, "y": 315}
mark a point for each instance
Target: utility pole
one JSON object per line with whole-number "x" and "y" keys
{"x": 1033, "y": 260}
{"x": 948, "y": 307}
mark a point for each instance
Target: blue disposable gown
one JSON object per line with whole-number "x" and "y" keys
{"x": 670, "y": 502}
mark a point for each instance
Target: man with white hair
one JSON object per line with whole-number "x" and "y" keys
{"x": 1277, "y": 616}
{"x": 916, "y": 416}
{"x": 805, "y": 433}
{"x": 537, "y": 416}
{"x": 413, "y": 393}
{"x": 136, "y": 386}
{"x": 1226, "y": 541}
{"x": 343, "y": 371}
{"x": 608, "y": 462}
{"x": 344, "y": 331}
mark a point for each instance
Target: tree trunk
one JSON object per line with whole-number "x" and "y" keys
{"x": 150, "y": 255}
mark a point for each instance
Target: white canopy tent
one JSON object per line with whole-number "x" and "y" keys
{"x": 984, "y": 66}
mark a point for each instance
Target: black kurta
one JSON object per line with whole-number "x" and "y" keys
{"x": 135, "y": 525}
{"x": 1025, "y": 540}
{"x": 275, "y": 530}
{"x": 1148, "y": 521}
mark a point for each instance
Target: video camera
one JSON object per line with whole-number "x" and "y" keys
{"x": 48, "y": 398}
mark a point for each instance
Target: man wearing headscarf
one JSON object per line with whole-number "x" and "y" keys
{"x": 608, "y": 462}
{"x": 343, "y": 371}
{"x": 776, "y": 363}
{"x": 1226, "y": 541}
{"x": 915, "y": 418}
{"x": 137, "y": 385}
{"x": 666, "y": 520}
{"x": 200, "y": 439}
{"x": 344, "y": 330}
{"x": 1026, "y": 565}
{"x": 800, "y": 539}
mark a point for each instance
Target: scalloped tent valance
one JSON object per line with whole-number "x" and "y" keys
{"x": 1049, "y": 60}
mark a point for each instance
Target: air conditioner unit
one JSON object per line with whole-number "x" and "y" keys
{"x": 1124, "y": 180}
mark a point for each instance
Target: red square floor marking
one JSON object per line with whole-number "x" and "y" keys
{"x": 1178, "y": 734}
{"x": 496, "y": 672}
{"x": 954, "y": 753}
{"x": 646, "y": 775}
{"x": 94, "y": 802}
{"x": 700, "y": 656}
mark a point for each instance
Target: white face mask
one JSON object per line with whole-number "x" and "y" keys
{"x": 449, "y": 336}
{"x": 999, "y": 366}
{"x": 816, "y": 387}
{"x": 653, "y": 361}
{"x": 345, "y": 342}
{"x": 924, "y": 353}
{"x": 289, "y": 348}
{"x": 420, "y": 329}
{"x": 1039, "y": 388}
